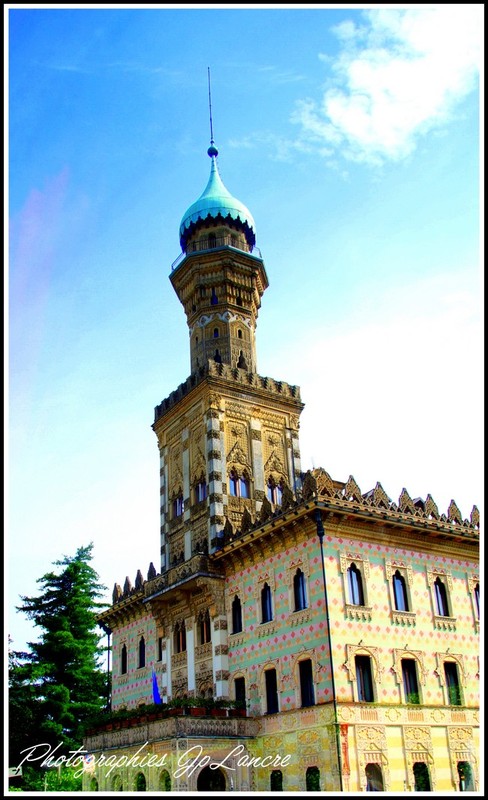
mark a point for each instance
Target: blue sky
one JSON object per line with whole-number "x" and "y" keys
{"x": 352, "y": 135}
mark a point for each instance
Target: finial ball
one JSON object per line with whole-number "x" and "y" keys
{"x": 212, "y": 151}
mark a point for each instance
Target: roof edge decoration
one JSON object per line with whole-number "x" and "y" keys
{"x": 217, "y": 202}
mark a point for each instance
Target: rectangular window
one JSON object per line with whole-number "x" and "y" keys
{"x": 160, "y": 648}
{"x": 306, "y": 683}
{"x": 271, "y": 691}
{"x": 364, "y": 678}
{"x": 452, "y": 683}
{"x": 410, "y": 683}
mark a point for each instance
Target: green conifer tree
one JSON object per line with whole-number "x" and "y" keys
{"x": 61, "y": 682}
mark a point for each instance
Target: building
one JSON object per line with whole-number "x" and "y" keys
{"x": 348, "y": 624}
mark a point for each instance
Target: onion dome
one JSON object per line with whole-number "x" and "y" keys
{"x": 217, "y": 203}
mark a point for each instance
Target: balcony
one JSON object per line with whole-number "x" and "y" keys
{"x": 218, "y": 243}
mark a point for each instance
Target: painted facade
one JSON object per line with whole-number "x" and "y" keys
{"x": 347, "y": 621}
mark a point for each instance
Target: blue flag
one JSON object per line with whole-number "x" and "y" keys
{"x": 156, "y": 695}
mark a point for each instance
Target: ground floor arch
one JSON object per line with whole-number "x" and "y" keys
{"x": 211, "y": 780}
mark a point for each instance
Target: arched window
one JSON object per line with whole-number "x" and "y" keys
{"x": 374, "y": 778}
{"x": 299, "y": 592}
{"x": 178, "y": 505}
{"x": 364, "y": 679}
{"x": 213, "y": 299}
{"x": 355, "y": 581}
{"x": 140, "y": 782}
{"x": 274, "y": 492}
{"x": 217, "y": 357}
{"x": 200, "y": 490}
{"x": 165, "y": 781}
{"x": 212, "y": 240}
{"x": 93, "y": 785}
{"x": 452, "y": 683}
{"x": 240, "y": 690}
{"x": 266, "y": 604}
{"x": 307, "y": 693}
{"x": 123, "y": 660}
{"x": 244, "y": 486}
{"x": 276, "y": 780}
{"x": 241, "y": 363}
{"x": 233, "y": 483}
{"x": 422, "y": 777}
{"x": 465, "y": 774}
{"x": 236, "y": 615}
{"x": 400, "y": 592}
{"x": 312, "y": 779}
{"x": 477, "y": 600}
{"x": 410, "y": 682}
{"x": 440, "y": 594}
{"x": 238, "y": 484}
{"x": 180, "y": 637}
{"x": 204, "y": 626}
{"x": 142, "y": 652}
{"x": 216, "y": 333}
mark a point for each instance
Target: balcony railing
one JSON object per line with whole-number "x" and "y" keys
{"x": 218, "y": 242}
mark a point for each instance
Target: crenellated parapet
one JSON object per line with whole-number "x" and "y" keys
{"x": 268, "y": 387}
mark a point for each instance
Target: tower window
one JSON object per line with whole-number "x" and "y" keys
{"x": 180, "y": 637}
{"x": 238, "y": 484}
{"x": 239, "y": 334}
{"x": 241, "y": 363}
{"x": 212, "y": 240}
{"x": 274, "y": 492}
{"x": 204, "y": 626}
{"x": 217, "y": 357}
{"x": 213, "y": 299}
{"x": 200, "y": 490}
{"x": 178, "y": 506}
{"x": 216, "y": 333}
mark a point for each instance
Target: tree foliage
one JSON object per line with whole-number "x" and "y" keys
{"x": 60, "y": 682}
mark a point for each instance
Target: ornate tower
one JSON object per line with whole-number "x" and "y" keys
{"x": 228, "y": 438}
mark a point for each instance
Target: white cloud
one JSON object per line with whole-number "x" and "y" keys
{"x": 397, "y": 77}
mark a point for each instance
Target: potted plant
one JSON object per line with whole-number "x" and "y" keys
{"x": 198, "y": 706}
{"x": 178, "y": 706}
{"x": 237, "y": 708}
{"x": 219, "y": 708}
